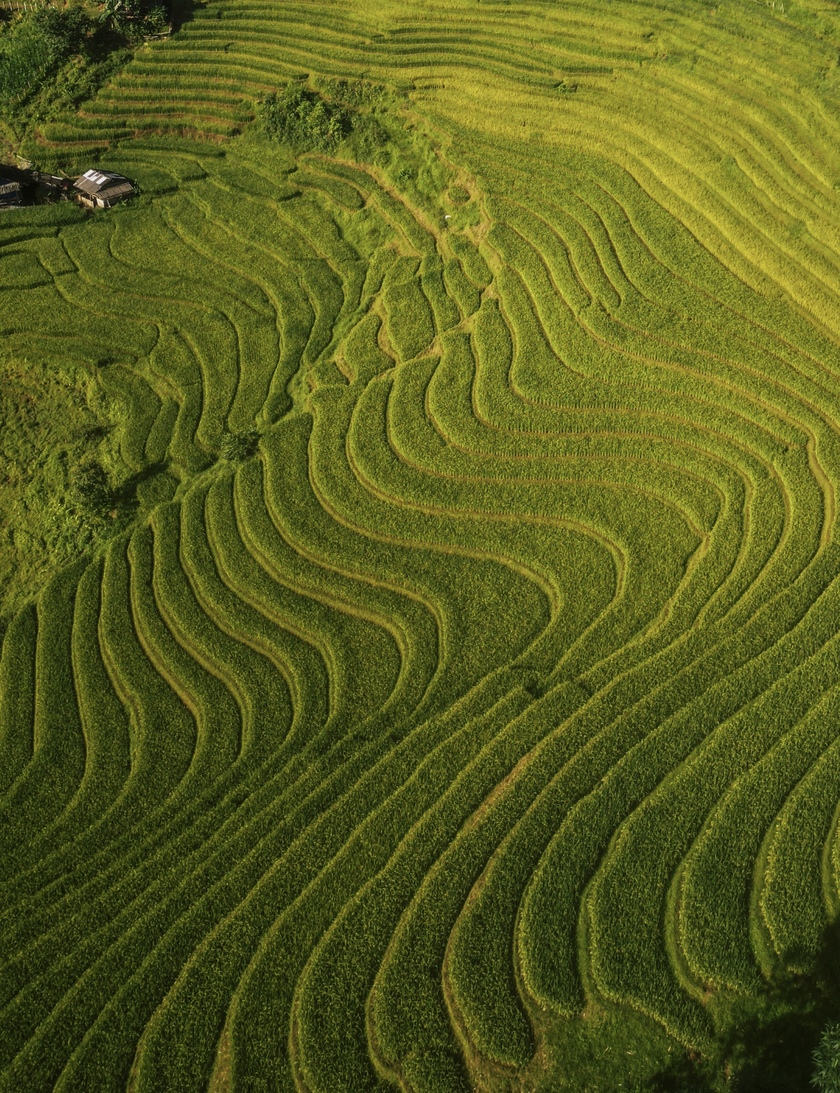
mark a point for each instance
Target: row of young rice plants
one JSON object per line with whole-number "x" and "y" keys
{"x": 52, "y": 776}
{"x": 445, "y": 311}
{"x": 460, "y": 289}
{"x": 808, "y": 488}
{"x": 410, "y": 327}
{"x": 362, "y": 357}
{"x": 77, "y": 1068}
{"x": 725, "y": 957}
{"x": 315, "y": 179}
{"x": 106, "y": 731}
{"x": 140, "y": 406}
{"x": 681, "y": 808}
{"x": 17, "y": 695}
{"x": 795, "y": 890}
{"x": 91, "y": 662}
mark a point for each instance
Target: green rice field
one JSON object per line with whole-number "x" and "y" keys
{"x": 419, "y": 559}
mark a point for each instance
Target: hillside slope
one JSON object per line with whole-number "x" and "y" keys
{"x": 453, "y": 704}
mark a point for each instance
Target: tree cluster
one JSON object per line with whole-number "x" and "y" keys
{"x": 136, "y": 18}
{"x": 33, "y": 48}
{"x": 301, "y": 118}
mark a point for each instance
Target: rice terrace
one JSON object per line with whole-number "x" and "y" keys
{"x": 419, "y": 548}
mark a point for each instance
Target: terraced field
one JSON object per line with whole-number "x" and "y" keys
{"x": 459, "y": 711}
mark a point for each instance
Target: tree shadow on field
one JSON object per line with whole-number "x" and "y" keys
{"x": 182, "y": 11}
{"x": 765, "y": 1045}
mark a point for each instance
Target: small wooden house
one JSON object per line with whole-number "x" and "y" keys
{"x": 10, "y": 195}
{"x": 102, "y": 189}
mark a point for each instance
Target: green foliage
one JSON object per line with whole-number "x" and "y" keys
{"x": 135, "y": 17}
{"x": 56, "y": 498}
{"x": 354, "y": 114}
{"x": 51, "y": 60}
{"x": 303, "y": 119}
{"x": 826, "y": 1076}
{"x": 33, "y": 48}
{"x": 237, "y": 447}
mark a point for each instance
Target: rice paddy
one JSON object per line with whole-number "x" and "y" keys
{"x": 442, "y": 691}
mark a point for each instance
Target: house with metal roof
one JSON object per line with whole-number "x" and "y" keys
{"x": 10, "y": 196}
{"x": 102, "y": 189}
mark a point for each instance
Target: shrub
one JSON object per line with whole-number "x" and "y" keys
{"x": 91, "y": 486}
{"x": 301, "y": 118}
{"x": 237, "y": 447}
{"x": 826, "y": 1058}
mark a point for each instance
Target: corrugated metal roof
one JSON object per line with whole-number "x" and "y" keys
{"x": 95, "y": 182}
{"x": 117, "y": 190}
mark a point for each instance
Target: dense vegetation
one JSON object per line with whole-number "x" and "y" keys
{"x": 52, "y": 58}
{"x": 56, "y": 497}
{"x": 419, "y": 566}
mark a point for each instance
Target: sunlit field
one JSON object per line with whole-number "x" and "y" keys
{"x": 440, "y": 690}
